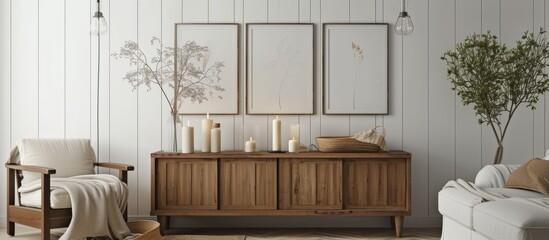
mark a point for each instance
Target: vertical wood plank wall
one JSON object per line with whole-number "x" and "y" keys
{"x": 48, "y": 71}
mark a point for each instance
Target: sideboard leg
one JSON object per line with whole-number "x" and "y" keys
{"x": 392, "y": 222}
{"x": 164, "y": 224}
{"x": 399, "y": 220}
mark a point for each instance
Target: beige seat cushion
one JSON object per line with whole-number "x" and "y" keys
{"x": 59, "y": 198}
{"x": 532, "y": 175}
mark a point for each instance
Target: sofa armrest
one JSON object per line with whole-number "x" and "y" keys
{"x": 494, "y": 176}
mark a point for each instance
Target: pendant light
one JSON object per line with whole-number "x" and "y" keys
{"x": 98, "y": 27}
{"x": 98, "y": 23}
{"x": 404, "y": 25}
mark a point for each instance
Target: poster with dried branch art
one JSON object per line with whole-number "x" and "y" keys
{"x": 279, "y": 68}
{"x": 207, "y": 66}
{"x": 355, "y": 68}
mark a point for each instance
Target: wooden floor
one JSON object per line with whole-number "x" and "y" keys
{"x": 27, "y": 233}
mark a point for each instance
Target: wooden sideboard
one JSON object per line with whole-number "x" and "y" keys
{"x": 281, "y": 184}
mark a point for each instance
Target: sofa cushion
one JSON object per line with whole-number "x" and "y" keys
{"x": 69, "y": 157}
{"x": 494, "y": 176}
{"x": 532, "y": 175}
{"x": 511, "y": 219}
{"x": 457, "y": 205}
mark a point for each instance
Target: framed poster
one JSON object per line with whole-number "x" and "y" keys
{"x": 280, "y": 68}
{"x": 355, "y": 68}
{"x": 207, "y": 66}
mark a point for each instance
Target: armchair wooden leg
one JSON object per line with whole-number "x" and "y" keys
{"x": 46, "y": 207}
{"x": 45, "y": 235}
{"x": 11, "y": 228}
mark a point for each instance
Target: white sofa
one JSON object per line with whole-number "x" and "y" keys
{"x": 466, "y": 216}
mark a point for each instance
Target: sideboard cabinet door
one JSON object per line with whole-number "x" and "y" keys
{"x": 375, "y": 184}
{"x": 310, "y": 183}
{"x": 186, "y": 184}
{"x": 248, "y": 184}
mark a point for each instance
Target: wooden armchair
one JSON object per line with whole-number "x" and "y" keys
{"x": 45, "y": 217}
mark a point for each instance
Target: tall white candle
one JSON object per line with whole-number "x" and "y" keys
{"x": 294, "y": 132}
{"x": 187, "y": 137}
{"x": 293, "y": 146}
{"x": 249, "y": 146}
{"x": 276, "y": 134}
{"x": 216, "y": 138}
{"x": 206, "y": 133}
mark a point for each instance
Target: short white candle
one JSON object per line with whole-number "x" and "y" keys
{"x": 206, "y": 133}
{"x": 187, "y": 136}
{"x": 276, "y": 134}
{"x": 250, "y": 146}
{"x": 293, "y": 146}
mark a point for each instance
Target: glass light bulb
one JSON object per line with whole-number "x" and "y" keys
{"x": 98, "y": 24}
{"x": 404, "y": 25}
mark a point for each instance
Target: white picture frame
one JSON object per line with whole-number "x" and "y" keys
{"x": 279, "y": 68}
{"x": 222, "y": 40}
{"x": 355, "y": 68}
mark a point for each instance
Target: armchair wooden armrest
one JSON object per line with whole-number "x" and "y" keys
{"x": 122, "y": 169}
{"x": 30, "y": 168}
{"x": 117, "y": 166}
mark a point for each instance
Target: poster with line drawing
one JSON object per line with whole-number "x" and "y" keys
{"x": 355, "y": 68}
{"x": 208, "y": 64}
{"x": 280, "y": 68}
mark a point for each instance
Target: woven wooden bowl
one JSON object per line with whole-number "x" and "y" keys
{"x": 345, "y": 144}
{"x": 149, "y": 230}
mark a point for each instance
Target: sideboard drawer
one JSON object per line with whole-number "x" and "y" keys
{"x": 310, "y": 184}
{"x": 186, "y": 183}
{"x": 248, "y": 184}
{"x": 375, "y": 184}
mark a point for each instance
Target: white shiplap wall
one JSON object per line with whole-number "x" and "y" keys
{"x": 48, "y": 67}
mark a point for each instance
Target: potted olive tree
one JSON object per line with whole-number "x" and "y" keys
{"x": 497, "y": 80}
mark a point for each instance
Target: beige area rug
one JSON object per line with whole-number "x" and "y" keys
{"x": 205, "y": 237}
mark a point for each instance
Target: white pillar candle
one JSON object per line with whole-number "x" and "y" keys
{"x": 293, "y": 146}
{"x": 250, "y": 146}
{"x": 216, "y": 138}
{"x": 206, "y": 133}
{"x": 276, "y": 134}
{"x": 294, "y": 132}
{"x": 187, "y": 138}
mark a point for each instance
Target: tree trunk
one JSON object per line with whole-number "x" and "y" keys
{"x": 499, "y": 154}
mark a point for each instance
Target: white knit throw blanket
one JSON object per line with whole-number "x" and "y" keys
{"x": 97, "y": 203}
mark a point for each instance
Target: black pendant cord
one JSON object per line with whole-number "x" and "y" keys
{"x": 97, "y": 99}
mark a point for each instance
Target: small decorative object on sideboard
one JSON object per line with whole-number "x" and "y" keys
{"x": 293, "y": 145}
{"x": 344, "y": 144}
{"x": 187, "y": 138}
{"x": 206, "y": 133}
{"x": 250, "y": 145}
{"x": 372, "y": 136}
{"x": 216, "y": 138}
{"x": 276, "y": 134}
{"x": 365, "y": 141}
